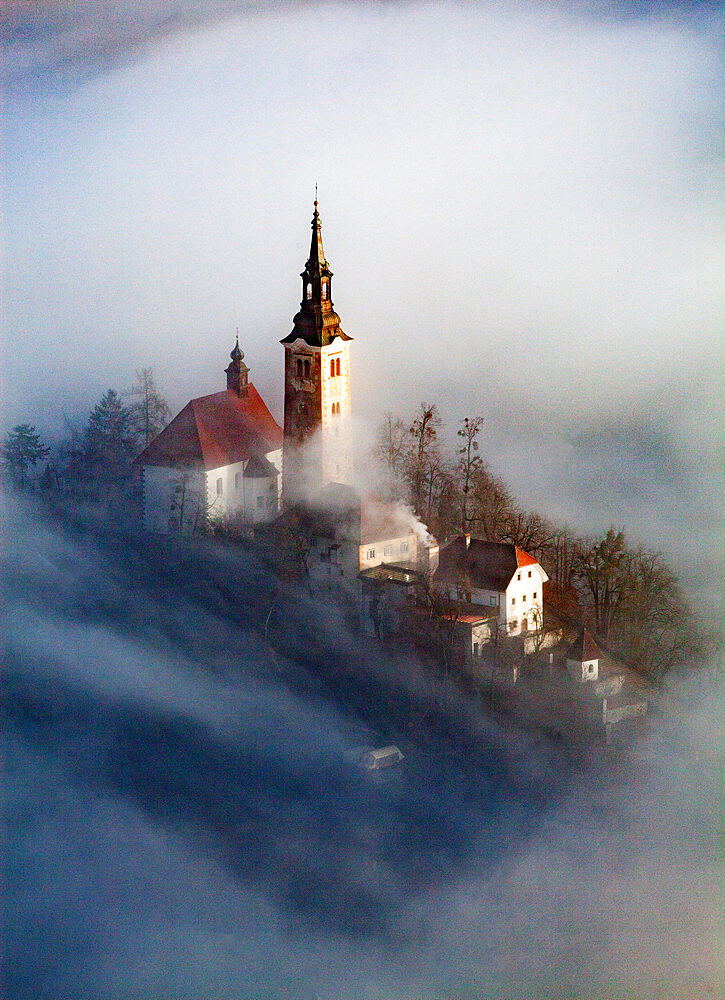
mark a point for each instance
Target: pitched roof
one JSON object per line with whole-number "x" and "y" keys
{"x": 584, "y": 647}
{"x": 258, "y": 467}
{"x": 486, "y": 565}
{"x": 215, "y": 430}
{"x": 469, "y": 614}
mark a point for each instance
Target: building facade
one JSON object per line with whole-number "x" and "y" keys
{"x": 499, "y": 577}
{"x": 219, "y": 461}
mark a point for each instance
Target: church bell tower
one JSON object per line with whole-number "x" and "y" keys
{"x": 317, "y": 438}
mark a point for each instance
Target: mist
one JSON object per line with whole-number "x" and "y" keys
{"x": 181, "y": 819}
{"x": 520, "y": 203}
{"x": 526, "y": 193}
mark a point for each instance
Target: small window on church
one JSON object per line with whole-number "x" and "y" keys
{"x": 299, "y": 367}
{"x": 337, "y": 366}
{"x": 219, "y": 487}
{"x": 308, "y": 291}
{"x": 307, "y": 368}
{"x": 332, "y": 367}
{"x": 324, "y": 289}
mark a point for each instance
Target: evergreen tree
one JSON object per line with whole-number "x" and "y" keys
{"x": 21, "y": 448}
{"x": 110, "y": 441}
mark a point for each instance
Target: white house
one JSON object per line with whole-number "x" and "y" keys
{"x": 219, "y": 460}
{"x": 500, "y": 578}
{"x": 582, "y": 658}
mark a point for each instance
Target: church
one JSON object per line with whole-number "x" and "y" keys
{"x": 224, "y": 459}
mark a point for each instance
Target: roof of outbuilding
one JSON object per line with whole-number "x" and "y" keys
{"x": 214, "y": 431}
{"x": 486, "y": 565}
{"x": 584, "y": 647}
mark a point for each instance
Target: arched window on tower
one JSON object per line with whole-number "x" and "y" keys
{"x": 299, "y": 367}
{"x": 324, "y": 289}
{"x": 337, "y": 366}
{"x": 308, "y": 291}
{"x": 332, "y": 367}
{"x": 307, "y": 368}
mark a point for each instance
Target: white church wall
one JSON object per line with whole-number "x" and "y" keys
{"x": 231, "y": 495}
{"x": 173, "y": 499}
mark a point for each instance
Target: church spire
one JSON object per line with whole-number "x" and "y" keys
{"x": 316, "y": 262}
{"x": 316, "y": 323}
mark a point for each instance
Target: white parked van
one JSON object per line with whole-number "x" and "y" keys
{"x": 384, "y": 757}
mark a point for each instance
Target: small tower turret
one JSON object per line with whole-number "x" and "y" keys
{"x": 237, "y": 372}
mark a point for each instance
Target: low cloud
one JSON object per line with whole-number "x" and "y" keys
{"x": 181, "y": 819}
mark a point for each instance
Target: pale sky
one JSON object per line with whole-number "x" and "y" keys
{"x": 520, "y": 201}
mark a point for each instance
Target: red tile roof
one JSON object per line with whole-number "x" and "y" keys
{"x": 524, "y": 559}
{"x": 584, "y": 647}
{"x": 216, "y": 430}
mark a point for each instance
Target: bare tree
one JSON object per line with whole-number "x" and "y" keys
{"x": 150, "y": 412}
{"x": 423, "y": 431}
{"x": 655, "y": 627}
{"x": 528, "y": 531}
{"x": 189, "y": 510}
{"x": 392, "y": 450}
{"x": 469, "y": 463}
{"x": 604, "y": 569}
{"x": 490, "y": 504}
{"x": 560, "y": 553}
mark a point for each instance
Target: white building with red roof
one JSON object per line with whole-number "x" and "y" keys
{"x": 500, "y": 579}
{"x": 219, "y": 460}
